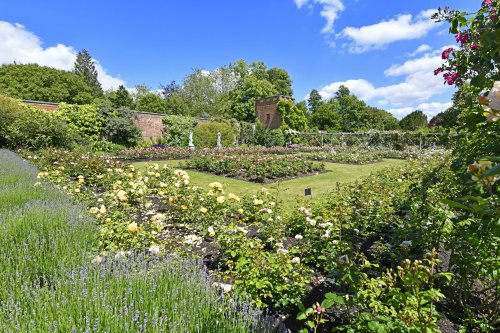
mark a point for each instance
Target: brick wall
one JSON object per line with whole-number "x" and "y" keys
{"x": 265, "y": 109}
{"x": 47, "y": 106}
{"x": 150, "y": 124}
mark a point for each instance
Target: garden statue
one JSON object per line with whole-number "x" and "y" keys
{"x": 219, "y": 143}
{"x": 191, "y": 144}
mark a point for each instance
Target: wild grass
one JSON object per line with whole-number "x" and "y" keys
{"x": 52, "y": 281}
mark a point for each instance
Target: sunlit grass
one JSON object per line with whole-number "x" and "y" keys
{"x": 291, "y": 191}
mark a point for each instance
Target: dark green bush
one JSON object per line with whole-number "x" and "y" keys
{"x": 268, "y": 138}
{"x": 205, "y": 135}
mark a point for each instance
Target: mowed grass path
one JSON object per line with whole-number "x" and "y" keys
{"x": 289, "y": 192}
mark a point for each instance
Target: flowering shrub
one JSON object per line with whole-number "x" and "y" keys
{"x": 258, "y": 168}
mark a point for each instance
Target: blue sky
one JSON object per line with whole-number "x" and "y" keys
{"x": 383, "y": 50}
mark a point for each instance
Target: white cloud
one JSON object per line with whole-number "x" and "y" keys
{"x": 330, "y": 10}
{"x": 415, "y": 91}
{"x": 421, "y": 49}
{"x": 430, "y": 109}
{"x": 20, "y": 45}
{"x": 378, "y": 36}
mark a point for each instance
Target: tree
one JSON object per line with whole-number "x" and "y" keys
{"x": 351, "y": 110}
{"x": 242, "y": 99}
{"x": 281, "y": 81}
{"x": 168, "y": 90}
{"x": 414, "y": 121}
{"x": 140, "y": 90}
{"x": 41, "y": 83}
{"x": 150, "y": 103}
{"x": 446, "y": 119}
{"x": 84, "y": 66}
{"x": 314, "y": 101}
{"x": 121, "y": 98}
{"x": 327, "y": 117}
{"x": 378, "y": 119}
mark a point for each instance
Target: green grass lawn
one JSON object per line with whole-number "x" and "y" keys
{"x": 289, "y": 191}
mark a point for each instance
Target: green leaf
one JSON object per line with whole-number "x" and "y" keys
{"x": 454, "y": 26}
{"x": 492, "y": 171}
{"x": 301, "y": 316}
{"x": 455, "y": 204}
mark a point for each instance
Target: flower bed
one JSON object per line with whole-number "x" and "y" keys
{"x": 259, "y": 168}
{"x": 160, "y": 152}
{"x": 353, "y": 247}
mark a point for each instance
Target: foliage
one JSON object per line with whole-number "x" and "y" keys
{"x": 41, "y": 83}
{"x": 46, "y": 250}
{"x": 326, "y": 117}
{"x": 378, "y": 119}
{"x": 257, "y": 168}
{"x": 280, "y": 79}
{"x": 291, "y": 116}
{"x": 121, "y": 98}
{"x": 9, "y": 110}
{"x": 150, "y": 102}
{"x": 243, "y": 97}
{"x": 205, "y": 134}
{"x": 120, "y": 128}
{"x": 84, "y": 66}
{"x": 414, "y": 121}
{"x": 314, "y": 101}
{"x": 447, "y": 119}
{"x": 268, "y": 138}
{"x": 85, "y": 120}
{"x": 177, "y": 129}
{"x": 33, "y": 128}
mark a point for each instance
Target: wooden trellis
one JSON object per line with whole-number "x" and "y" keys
{"x": 388, "y": 139}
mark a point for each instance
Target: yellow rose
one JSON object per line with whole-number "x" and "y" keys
{"x": 220, "y": 199}
{"x": 203, "y": 210}
{"x": 257, "y": 202}
{"x": 233, "y": 197}
{"x": 240, "y": 211}
{"x": 132, "y": 227}
{"x": 184, "y": 207}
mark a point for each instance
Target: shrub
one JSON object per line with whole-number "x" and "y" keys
{"x": 119, "y": 127}
{"x": 177, "y": 129}
{"x": 205, "y": 135}
{"x": 83, "y": 119}
{"x": 268, "y": 138}
{"x": 33, "y": 128}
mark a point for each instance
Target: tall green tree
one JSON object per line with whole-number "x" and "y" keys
{"x": 150, "y": 102}
{"x": 84, "y": 66}
{"x": 327, "y": 117}
{"x": 378, "y": 119}
{"x": 281, "y": 81}
{"x": 351, "y": 109}
{"x": 414, "y": 121}
{"x": 121, "y": 97}
{"x": 41, "y": 83}
{"x": 242, "y": 106}
{"x": 314, "y": 101}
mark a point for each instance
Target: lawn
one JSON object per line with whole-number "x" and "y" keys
{"x": 289, "y": 191}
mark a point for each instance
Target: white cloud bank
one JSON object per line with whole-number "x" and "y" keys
{"x": 378, "y": 36}
{"x": 20, "y": 45}
{"x": 418, "y": 87}
{"x": 330, "y": 10}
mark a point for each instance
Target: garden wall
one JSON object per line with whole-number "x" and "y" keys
{"x": 266, "y": 112}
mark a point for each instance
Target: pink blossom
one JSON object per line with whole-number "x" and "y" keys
{"x": 474, "y": 46}
{"x": 446, "y": 53}
{"x": 438, "y": 70}
{"x": 487, "y": 3}
{"x": 450, "y": 78}
{"x": 462, "y": 37}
